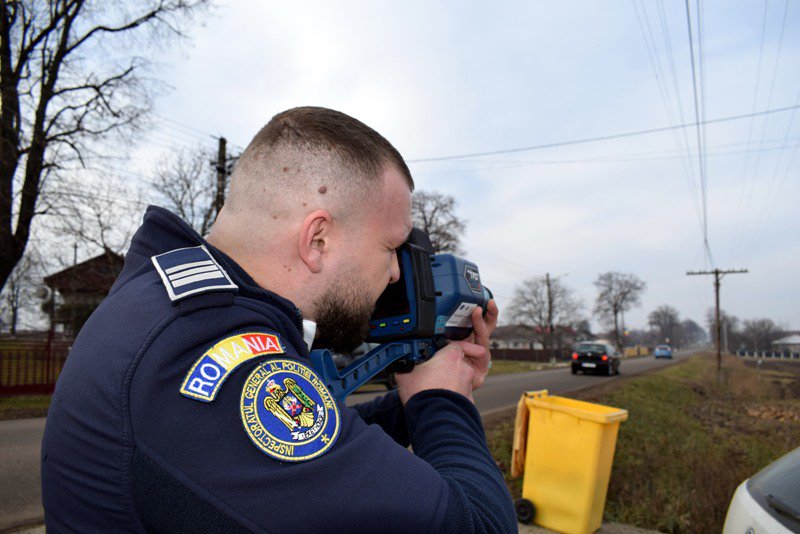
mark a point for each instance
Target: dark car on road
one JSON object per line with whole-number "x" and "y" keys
{"x": 595, "y": 357}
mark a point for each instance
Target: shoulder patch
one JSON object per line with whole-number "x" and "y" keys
{"x": 191, "y": 270}
{"x": 288, "y": 412}
{"x": 206, "y": 376}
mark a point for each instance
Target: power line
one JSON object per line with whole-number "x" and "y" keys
{"x": 172, "y": 131}
{"x": 774, "y": 77}
{"x": 609, "y": 137}
{"x": 673, "y": 71}
{"x": 740, "y": 220}
{"x": 169, "y": 144}
{"x": 704, "y": 152}
{"x": 658, "y": 71}
{"x": 703, "y": 186}
{"x": 672, "y": 153}
{"x": 495, "y": 166}
{"x": 763, "y": 217}
{"x": 749, "y": 196}
{"x": 185, "y": 126}
{"x": 688, "y": 167}
{"x": 195, "y": 131}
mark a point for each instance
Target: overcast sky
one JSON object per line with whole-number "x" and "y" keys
{"x": 453, "y": 78}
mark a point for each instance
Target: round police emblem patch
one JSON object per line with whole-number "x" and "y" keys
{"x": 288, "y": 412}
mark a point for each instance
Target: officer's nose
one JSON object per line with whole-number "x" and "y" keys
{"x": 394, "y": 275}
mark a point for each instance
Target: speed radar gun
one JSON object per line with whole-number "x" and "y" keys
{"x": 429, "y": 305}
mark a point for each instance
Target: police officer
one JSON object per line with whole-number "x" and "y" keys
{"x": 188, "y": 402}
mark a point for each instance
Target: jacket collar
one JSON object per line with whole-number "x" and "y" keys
{"x": 162, "y": 231}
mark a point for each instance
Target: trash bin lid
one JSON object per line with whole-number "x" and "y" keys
{"x": 580, "y": 409}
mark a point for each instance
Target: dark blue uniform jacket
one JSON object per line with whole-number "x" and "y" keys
{"x": 123, "y": 451}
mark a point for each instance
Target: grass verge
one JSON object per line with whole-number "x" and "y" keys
{"x": 689, "y": 440}
{"x": 24, "y": 406}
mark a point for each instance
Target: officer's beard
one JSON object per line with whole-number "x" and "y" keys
{"x": 343, "y": 317}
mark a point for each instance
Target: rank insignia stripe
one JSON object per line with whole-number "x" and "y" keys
{"x": 205, "y": 378}
{"x": 191, "y": 270}
{"x": 288, "y": 412}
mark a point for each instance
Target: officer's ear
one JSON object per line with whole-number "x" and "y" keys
{"x": 315, "y": 235}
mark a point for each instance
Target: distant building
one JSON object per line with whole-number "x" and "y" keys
{"x": 787, "y": 344}
{"x": 516, "y": 336}
{"x": 79, "y": 289}
{"x": 520, "y": 336}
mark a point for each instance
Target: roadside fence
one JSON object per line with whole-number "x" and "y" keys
{"x": 30, "y": 367}
{"x": 529, "y": 355}
{"x": 768, "y": 354}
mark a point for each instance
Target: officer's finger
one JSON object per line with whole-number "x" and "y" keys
{"x": 478, "y": 357}
{"x": 473, "y": 351}
{"x": 492, "y": 314}
{"x": 480, "y": 329}
{"x": 483, "y": 325}
{"x": 452, "y": 350}
{"x": 448, "y": 369}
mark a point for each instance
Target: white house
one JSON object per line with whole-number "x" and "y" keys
{"x": 515, "y": 336}
{"x": 787, "y": 344}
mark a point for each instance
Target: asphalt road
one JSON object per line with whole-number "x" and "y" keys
{"x": 502, "y": 391}
{"x": 20, "y": 489}
{"x": 20, "y": 440}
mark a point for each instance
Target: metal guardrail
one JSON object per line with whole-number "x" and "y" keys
{"x": 768, "y": 355}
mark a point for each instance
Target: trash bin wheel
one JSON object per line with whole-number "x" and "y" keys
{"x": 525, "y": 510}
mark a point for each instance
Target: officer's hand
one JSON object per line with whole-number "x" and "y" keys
{"x": 451, "y": 368}
{"x": 482, "y": 328}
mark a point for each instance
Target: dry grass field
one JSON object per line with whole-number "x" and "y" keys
{"x": 690, "y": 439}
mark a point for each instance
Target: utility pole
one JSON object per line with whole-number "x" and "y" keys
{"x": 549, "y": 317}
{"x": 222, "y": 174}
{"x": 725, "y": 337}
{"x": 718, "y": 274}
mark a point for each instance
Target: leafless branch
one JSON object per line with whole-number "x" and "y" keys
{"x": 435, "y": 213}
{"x": 59, "y": 96}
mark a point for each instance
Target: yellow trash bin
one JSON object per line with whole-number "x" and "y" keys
{"x": 565, "y": 449}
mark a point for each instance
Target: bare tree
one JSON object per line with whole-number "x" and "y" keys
{"x": 692, "y": 333}
{"x": 583, "y": 329}
{"x": 99, "y": 218}
{"x": 187, "y": 181}
{"x": 640, "y": 336}
{"x": 69, "y": 77}
{"x": 760, "y": 332}
{"x": 435, "y": 213}
{"x": 667, "y": 321}
{"x": 551, "y": 314}
{"x": 617, "y": 293}
{"x": 729, "y": 325}
{"x": 19, "y": 293}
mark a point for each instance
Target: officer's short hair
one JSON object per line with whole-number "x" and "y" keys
{"x": 316, "y": 141}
